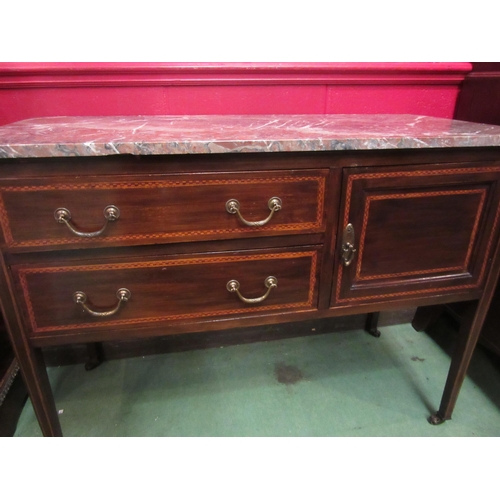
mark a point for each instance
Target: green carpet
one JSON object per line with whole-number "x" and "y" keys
{"x": 339, "y": 384}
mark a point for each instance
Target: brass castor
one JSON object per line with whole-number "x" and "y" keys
{"x": 436, "y": 419}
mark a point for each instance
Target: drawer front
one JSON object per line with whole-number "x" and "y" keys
{"x": 194, "y": 287}
{"x": 413, "y": 232}
{"x": 165, "y": 208}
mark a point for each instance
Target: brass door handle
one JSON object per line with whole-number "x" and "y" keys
{"x": 270, "y": 282}
{"x": 123, "y": 294}
{"x": 63, "y": 216}
{"x": 348, "y": 249}
{"x": 274, "y": 204}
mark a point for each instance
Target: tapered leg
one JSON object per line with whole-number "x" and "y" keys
{"x": 470, "y": 329}
{"x": 425, "y": 316}
{"x": 31, "y": 362}
{"x": 34, "y": 373}
{"x": 372, "y": 324}
{"x": 95, "y": 357}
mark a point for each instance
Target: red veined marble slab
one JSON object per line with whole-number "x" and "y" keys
{"x": 191, "y": 134}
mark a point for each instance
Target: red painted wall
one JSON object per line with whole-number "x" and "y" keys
{"x": 51, "y": 89}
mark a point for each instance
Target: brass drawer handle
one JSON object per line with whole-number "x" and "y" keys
{"x": 63, "y": 216}
{"x": 274, "y": 204}
{"x": 348, "y": 249}
{"x": 270, "y": 282}
{"x": 123, "y": 294}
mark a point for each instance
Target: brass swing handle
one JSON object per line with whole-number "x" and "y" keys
{"x": 348, "y": 249}
{"x": 123, "y": 294}
{"x": 274, "y": 204}
{"x": 270, "y": 282}
{"x": 63, "y": 216}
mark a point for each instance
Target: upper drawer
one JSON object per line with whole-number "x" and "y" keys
{"x": 162, "y": 208}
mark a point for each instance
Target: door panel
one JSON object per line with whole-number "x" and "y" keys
{"x": 417, "y": 230}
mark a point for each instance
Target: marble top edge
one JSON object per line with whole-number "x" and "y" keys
{"x": 201, "y": 134}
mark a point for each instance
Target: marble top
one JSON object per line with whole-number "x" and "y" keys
{"x": 153, "y": 135}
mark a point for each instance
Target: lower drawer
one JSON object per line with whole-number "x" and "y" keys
{"x": 59, "y": 297}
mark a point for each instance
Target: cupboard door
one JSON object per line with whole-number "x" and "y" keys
{"x": 418, "y": 231}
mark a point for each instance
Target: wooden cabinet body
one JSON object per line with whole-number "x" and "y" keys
{"x": 423, "y": 229}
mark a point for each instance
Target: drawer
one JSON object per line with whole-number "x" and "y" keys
{"x": 131, "y": 210}
{"x": 165, "y": 290}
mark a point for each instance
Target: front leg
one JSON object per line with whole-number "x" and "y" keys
{"x": 470, "y": 328}
{"x": 30, "y": 359}
{"x": 468, "y": 334}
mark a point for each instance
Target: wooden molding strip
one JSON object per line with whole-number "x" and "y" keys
{"x": 486, "y": 75}
{"x": 26, "y": 75}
